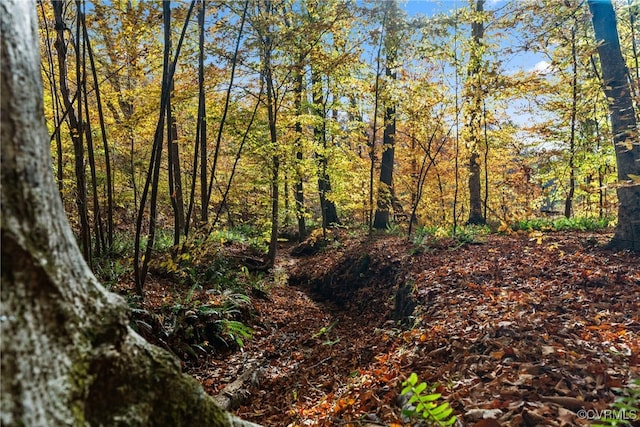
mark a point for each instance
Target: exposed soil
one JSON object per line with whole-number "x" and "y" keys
{"x": 525, "y": 330}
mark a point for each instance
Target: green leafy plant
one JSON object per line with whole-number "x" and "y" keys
{"x": 324, "y": 330}
{"x": 626, "y": 408}
{"x": 423, "y": 403}
{"x": 563, "y": 224}
{"x": 394, "y": 229}
{"x": 425, "y": 233}
{"x": 471, "y": 234}
{"x": 235, "y": 330}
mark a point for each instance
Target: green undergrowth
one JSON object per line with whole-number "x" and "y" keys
{"x": 563, "y": 224}
{"x": 198, "y": 295}
{"x": 625, "y": 411}
{"x": 437, "y": 237}
{"x": 216, "y": 308}
{"x": 424, "y": 403}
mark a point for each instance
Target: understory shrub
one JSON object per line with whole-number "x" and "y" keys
{"x": 564, "y": 224}
{"x": 423, "y": 403}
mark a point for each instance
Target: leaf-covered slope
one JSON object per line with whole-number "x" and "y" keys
{"x": 524, "y": 330}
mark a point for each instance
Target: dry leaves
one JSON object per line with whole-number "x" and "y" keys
{"x": 515, "y": 332}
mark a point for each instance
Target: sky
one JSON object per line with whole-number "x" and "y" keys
{"x": 521, "y": 61}
{"x": 527, "y": 61}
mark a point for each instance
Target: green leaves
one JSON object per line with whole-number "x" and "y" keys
{"x": 426, "y": 405}
{"x": 625, "y": 410}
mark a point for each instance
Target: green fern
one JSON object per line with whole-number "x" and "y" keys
{"x": 424, "y": 405}
{"x": 625, "y": 410}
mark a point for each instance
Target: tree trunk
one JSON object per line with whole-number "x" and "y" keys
{"x": 103, "y": 131}
{"x": 299, "y": 185}
{"x": 568, "y": 203}
{"x": 623, "y": 125}
{"x": 267, "y": 75}
{"x": 175, "y": 177}
{"x": 68, "y": 355}
{"x": 327, "y": 207}
{"x": 75, "y": 130}
{"x": 382, "y": 217}
{"x": 225, "y": 111}
{"x": 476, "y": 95}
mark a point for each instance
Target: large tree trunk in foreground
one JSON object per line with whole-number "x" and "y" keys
{"x": 68, "y": 355}
{"x": 623, "y": 124}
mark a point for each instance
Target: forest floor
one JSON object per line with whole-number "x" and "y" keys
{"x": 513, "y": 330}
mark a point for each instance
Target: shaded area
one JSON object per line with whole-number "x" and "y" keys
{"x": 524, "y": 329}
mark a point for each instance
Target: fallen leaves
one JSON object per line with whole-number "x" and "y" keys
{"x": 523, "y": 330}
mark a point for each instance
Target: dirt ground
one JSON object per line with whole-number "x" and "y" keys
{"x": 517, "y": 330}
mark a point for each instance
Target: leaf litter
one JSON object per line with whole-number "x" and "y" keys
{"x": 516, "y": 331}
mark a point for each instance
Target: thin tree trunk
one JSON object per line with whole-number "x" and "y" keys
{"x": 485, "y": 203}
{"x": 457, "y": 140}
{"x": 226, "y": 106}
{"x": 568, "y": 205}
{"x": 299, "y": 185}
{"x": 200, "y": 146}
{"x": 237, "y": 159}
{"x": 275, "y": 164}
{"x": 175, "y": 174}
{"x": 202, "y": 121}
{"x": 98, "y": 226}
{"x": 423, "y": 172}
{"x": 75, "y": 128}
{"x": 141, "y": 266}
{"x": 55, "y": 101}
{"x": 372, "y": 145}
{"x": 103, "y": 130}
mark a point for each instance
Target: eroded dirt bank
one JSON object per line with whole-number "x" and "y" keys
{"x": 524, "y": 331}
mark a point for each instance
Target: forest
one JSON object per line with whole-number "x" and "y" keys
{"x": 335, "y": 212}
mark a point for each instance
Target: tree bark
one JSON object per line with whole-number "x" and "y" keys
{"x": 267, "y": 76}
{"x": 299, "y": 184}
{"x": 382, "y": 217}
{"x": 202, "y": 121}
{"x": 568, "y": 203}
{"x": 327, "y": 206}
{"x": 68, "y": 354}
{"x": 75, "y": 128}
{"x": 476, "y": 95}
{"x": 623, "y": 125}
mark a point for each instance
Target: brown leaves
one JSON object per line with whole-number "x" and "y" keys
{"x": 514, "y": 332}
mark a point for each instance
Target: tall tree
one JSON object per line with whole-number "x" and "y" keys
{"x": 104, "y": 373}
{"x": 223, "y": 119}
{"x": 201, "y": 130}
{"x": 75, "y": 127}
{"x": 103, "y": 131}
{"x": 141, "y": 263}
{"x": 299, "y": 184}
{"x": 327, "y": 206}
{"x": 568, "y": 204}
{"x": 623, "y": 124}
{"x": 175, "y": 174}
{"x": 474, "y": 99}
{"x": 200, "y": 147}
{"x": 385, "y": 200}
{"x": 263, "y": 24}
